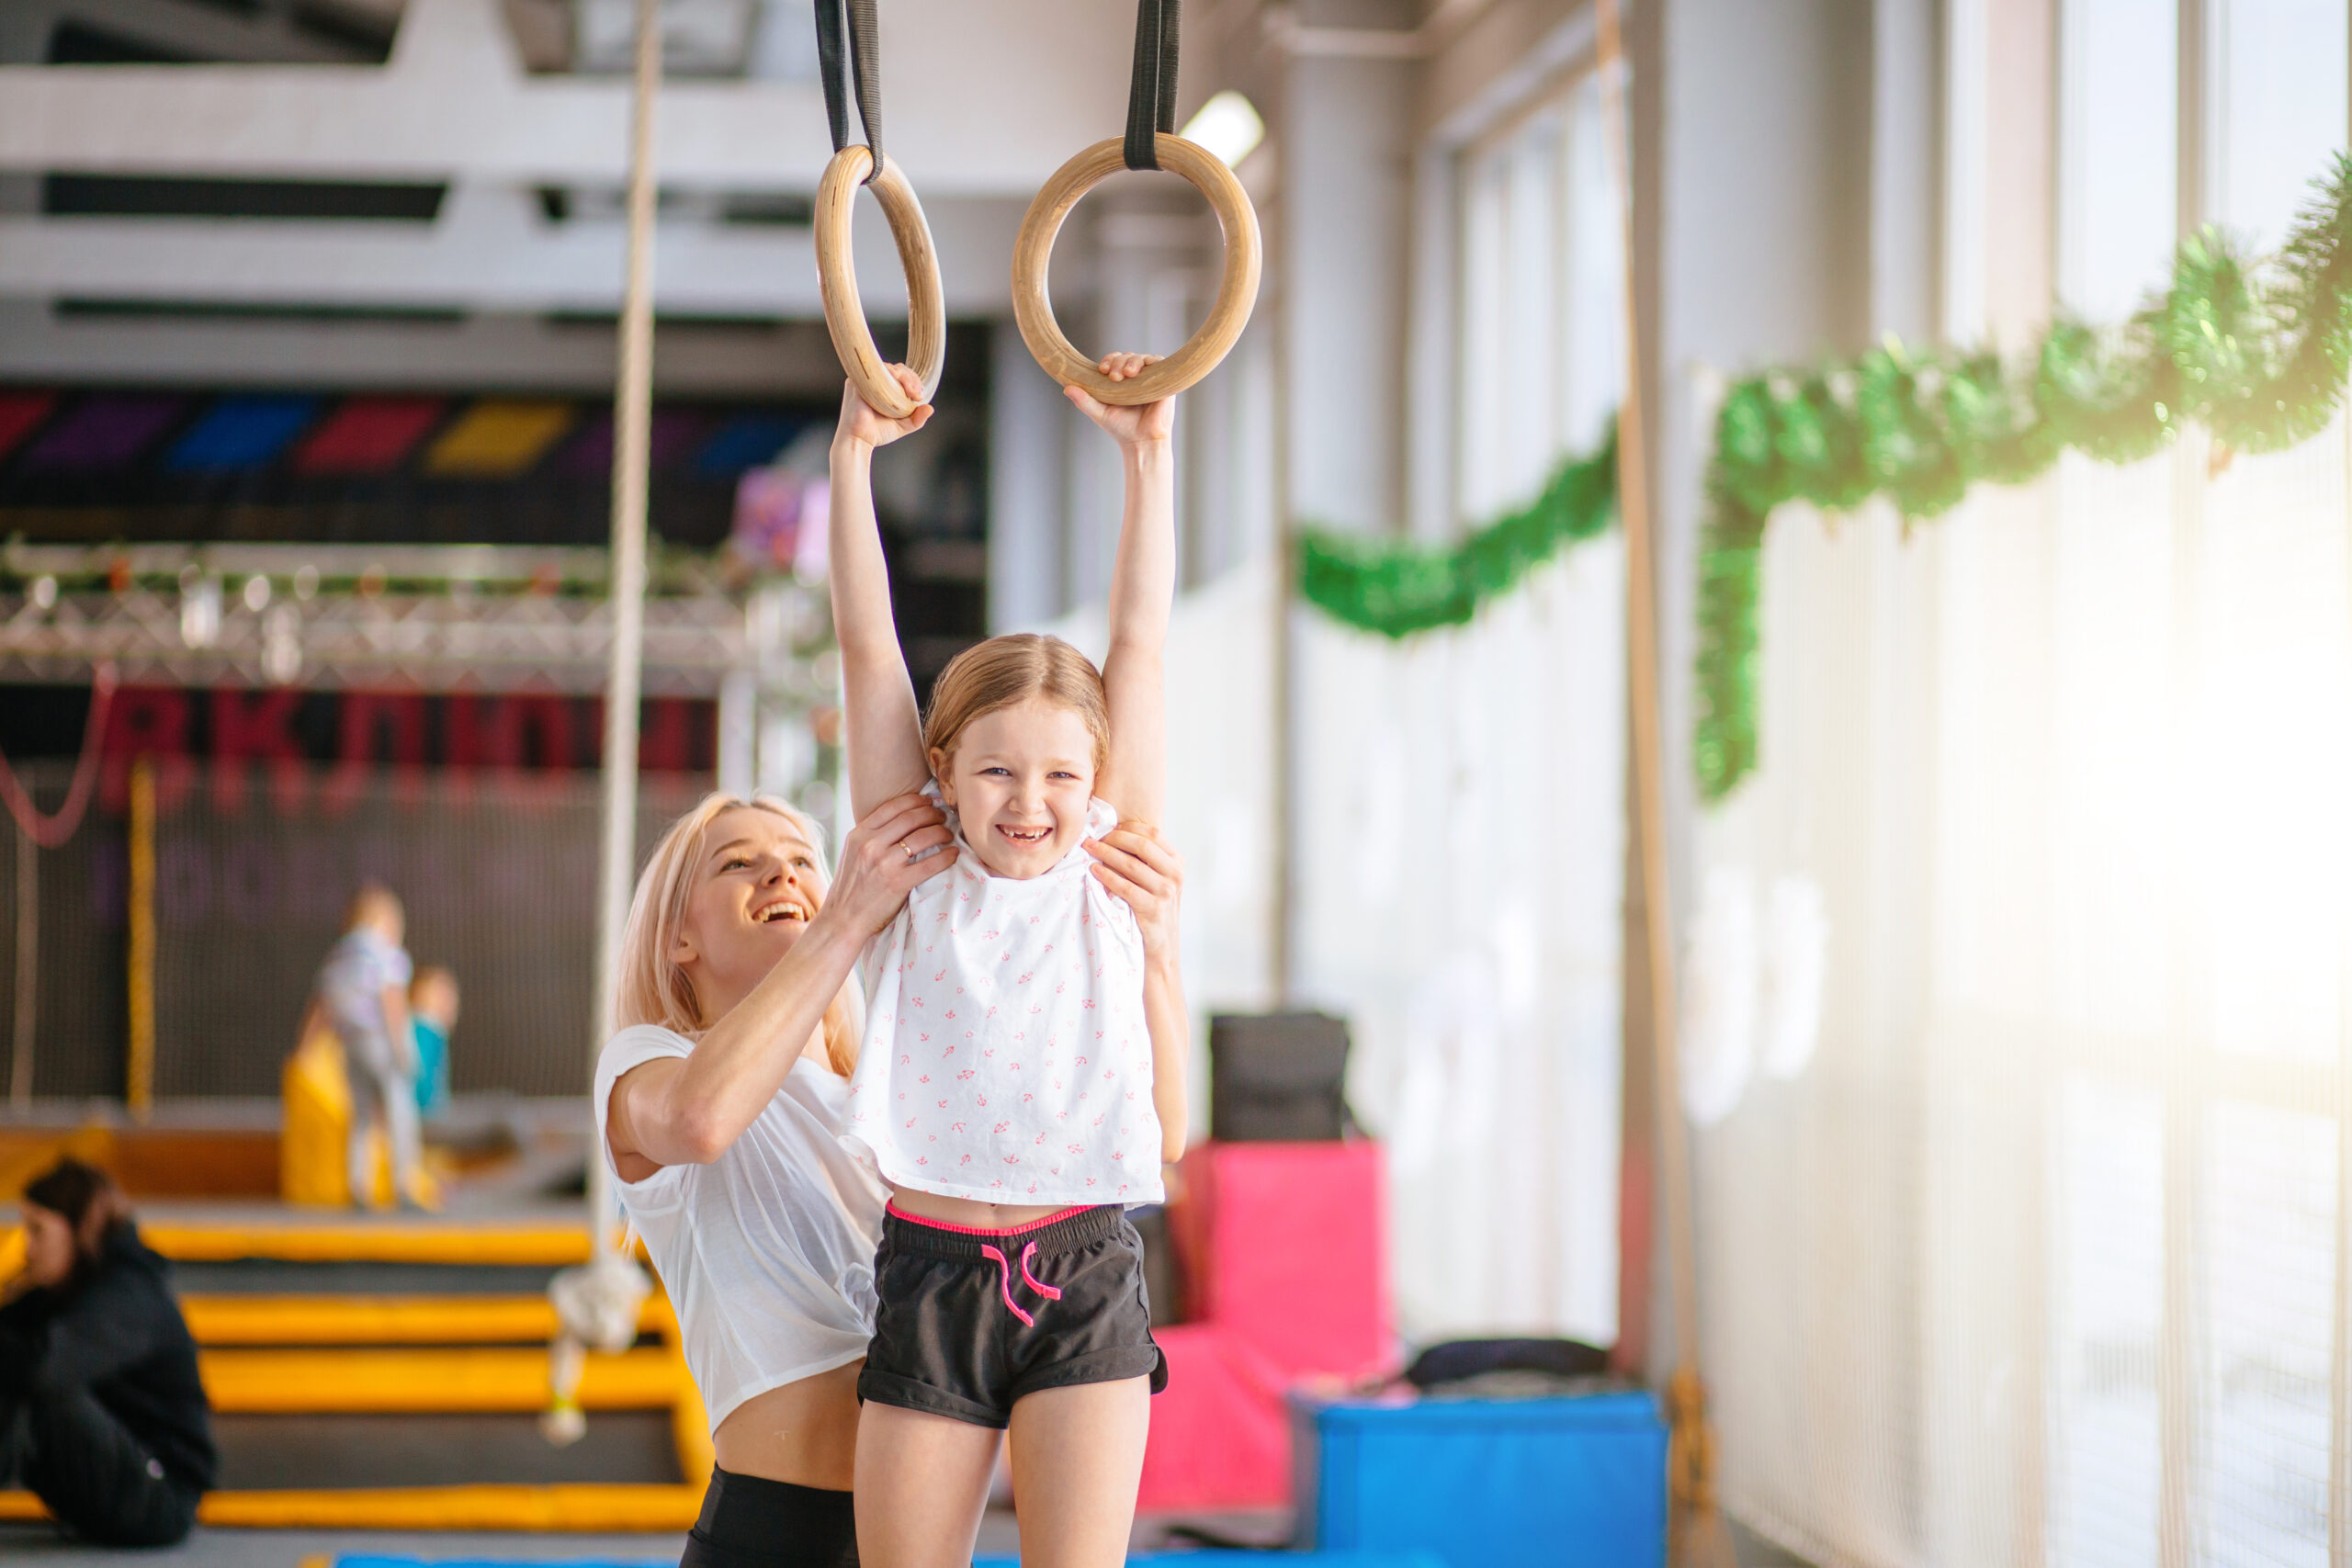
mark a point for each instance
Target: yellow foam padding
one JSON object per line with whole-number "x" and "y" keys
{"x": 548, "y": 1245}
{"x": 616, "y": 1508}
{"x": 498, "y": 437}
{"x": 387, "y": 1320}
{"x": 316, "y": 1092}
{"x": 377, "y": 1381}
{"x": 466, "y": 1241}
{"x": 26, "y": 1155}
{"x": 315, "y": 1089}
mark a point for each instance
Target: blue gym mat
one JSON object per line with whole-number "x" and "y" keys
{"x": 1146, "y": 1559}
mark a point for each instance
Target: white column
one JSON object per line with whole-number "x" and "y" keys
{"x": 738, "y": 734}
{"x": 1028, "y": 433}
{"x": 1346, "y": 144}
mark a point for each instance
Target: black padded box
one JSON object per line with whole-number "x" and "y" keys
{"x": 1277, "y": 1078}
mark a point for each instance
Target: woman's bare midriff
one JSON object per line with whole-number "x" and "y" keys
{"x": 805, "y": 1433}
{"x": 969, "y": 1212}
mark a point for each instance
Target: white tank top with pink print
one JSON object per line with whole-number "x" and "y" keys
{"x": 1006, "y": 1056}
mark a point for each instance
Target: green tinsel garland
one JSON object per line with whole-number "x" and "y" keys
{"x": 2255, "y": 353}
{"x": 1397, "y": 590}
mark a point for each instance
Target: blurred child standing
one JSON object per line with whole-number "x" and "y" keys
{"x": 362, "y": 994}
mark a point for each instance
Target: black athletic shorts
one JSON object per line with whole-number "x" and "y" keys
{"x": 968, "y": 1321}
{"x": 749, "y": 1521}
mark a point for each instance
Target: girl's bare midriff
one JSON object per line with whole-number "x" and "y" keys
{"x": 804, "y": 1433}
{"x": 970, "y": 1212}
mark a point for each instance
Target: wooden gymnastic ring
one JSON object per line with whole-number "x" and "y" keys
{"x": 1237, "y": 289}
{"x": 837, "y": 280}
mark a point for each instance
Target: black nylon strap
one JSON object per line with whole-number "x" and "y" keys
{"x": 864, "y": 68}
{"x": 1151, "y": 93}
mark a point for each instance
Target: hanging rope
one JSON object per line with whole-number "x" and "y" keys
{"x": 597, "y": 1302}
{"x": 52, "y": 831}
{"x": 864, "y": 63}
{"x": 1151, "y": 92}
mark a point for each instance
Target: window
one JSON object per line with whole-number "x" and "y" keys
{"x": 1462, "y": 866}
{"x": 2040, "y": 1262}
{"x": 1541, "y": 310}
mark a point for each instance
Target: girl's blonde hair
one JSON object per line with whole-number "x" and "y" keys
{"x": 653, "y": 988}
{"x": 1006, "y": 672}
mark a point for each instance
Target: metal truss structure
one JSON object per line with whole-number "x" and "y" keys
{"x": 426, "y": 618}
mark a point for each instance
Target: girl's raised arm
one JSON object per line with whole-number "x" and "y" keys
{"x": 884, "y": 737}
{"x": 1143, "y": 586}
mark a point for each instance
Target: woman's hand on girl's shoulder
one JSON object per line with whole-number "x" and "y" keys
{"x": 864, "y": 426}
{"x": 883, "y": 860}
{"x": 1140, "y": 424}
{"x": 1137, "y": 865}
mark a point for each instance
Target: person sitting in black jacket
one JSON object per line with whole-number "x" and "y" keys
{"x": 102, "y": 1415}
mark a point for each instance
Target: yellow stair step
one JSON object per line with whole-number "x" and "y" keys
{"x": 616, "y": 1507}
{"x": 430, "y": 1241}
{"x": 384, "y": 1320}
{"x": 384, "y": 1381}
{"x": 427, "y": 1242}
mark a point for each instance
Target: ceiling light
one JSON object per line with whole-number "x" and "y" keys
{"x": 1228, "y": 125}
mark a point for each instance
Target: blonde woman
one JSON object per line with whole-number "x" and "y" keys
{"x": 720, "y": 1098}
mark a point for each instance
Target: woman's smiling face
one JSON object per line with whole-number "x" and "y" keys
{"x": 1019, "y": 781}
{"x": 756, "y": 887}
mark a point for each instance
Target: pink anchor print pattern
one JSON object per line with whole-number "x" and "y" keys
{"x": 1027, "y": 967}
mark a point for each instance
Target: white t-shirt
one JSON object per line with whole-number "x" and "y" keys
{"x": 767, "y": 1252}
{"x": 1006, "y": 1056}
{"x": 351, "y": 992}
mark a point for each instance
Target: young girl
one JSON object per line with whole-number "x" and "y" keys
{"x": 1021, "y": 1078}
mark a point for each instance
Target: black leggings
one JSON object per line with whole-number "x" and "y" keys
{"x": 751, "y": 1523}
{"x": 89, "y": 1471}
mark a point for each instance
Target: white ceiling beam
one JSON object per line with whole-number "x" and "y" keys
{"x": 489, "y": 251}
{"x": 511, "y": 352}
{"x": 981, "y": 97}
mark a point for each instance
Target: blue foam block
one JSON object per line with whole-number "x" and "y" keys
{"x": 1258, "y": 1560}
{"x": 1487, "y": 1483}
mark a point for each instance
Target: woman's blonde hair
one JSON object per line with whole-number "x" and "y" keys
{"x": 653, "y": 988}
{"x": 1006, "y": 672}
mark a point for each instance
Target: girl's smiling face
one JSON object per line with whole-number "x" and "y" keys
{"x": 756, "y": 887}
{"x": 1021, "y": 780}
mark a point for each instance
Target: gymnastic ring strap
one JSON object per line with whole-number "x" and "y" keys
{"x": 865, "y": 51}
{"x": 1151, "y": 92}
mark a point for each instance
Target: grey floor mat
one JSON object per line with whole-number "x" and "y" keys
{"x": 271, "y": 1277}
{"x": 40, "y": 1546}
{"x": 271, "y": 1452}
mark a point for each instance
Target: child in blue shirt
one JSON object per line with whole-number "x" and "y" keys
{"x": 433, "y": 1013}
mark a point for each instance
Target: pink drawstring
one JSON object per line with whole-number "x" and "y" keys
{"x": 1004, "y": 1279}
{"x": 1050, "y": 1293}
